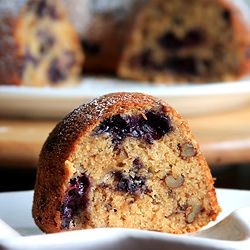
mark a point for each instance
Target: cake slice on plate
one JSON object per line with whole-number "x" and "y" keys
{"x": 123, "y": 160}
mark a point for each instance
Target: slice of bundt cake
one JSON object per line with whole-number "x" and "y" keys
{"x": 48, "y": 45}
{"x": 123, "y": 160}
{"x": 194, "y": 41}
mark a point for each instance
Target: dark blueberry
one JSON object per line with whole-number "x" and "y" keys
{"x": 130, "y": 184}
{"x": 90, "y": 47}
{"x": 29, "y": 58}
{"x": 53, "y": 12}
{"x": 226, "y": 15}
{"x": 186, "y": 65}
{"x": 119, "y": 127}
{"x": 75, "y": 199}
{"x": 144, "y": 59}
{"x": 193, "y": 38}
{"x": 56, "y": 72}
{"x": 170, "y": 41}
{"x": 159, "y": 123}
{"x": 42, "y": 8}
{"x": 137, "y": 164}
{"x": 46, "y": 41}
{"x": 70, "y": 59}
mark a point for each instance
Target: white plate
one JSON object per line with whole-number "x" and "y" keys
{"x": 231, "y": 233}
{"x": 188, "y": 99}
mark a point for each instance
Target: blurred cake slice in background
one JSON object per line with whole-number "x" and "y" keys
{"x": 48, "y": 45}
{"x": 188, "y": 41}
{"x": 103, "y": 27}
{"x": 45, "y": 42}
{"x": 10, "y": 65}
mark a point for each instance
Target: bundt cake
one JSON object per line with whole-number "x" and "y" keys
{"x": 194, "y": 41}
{"x": 153, "y": 40}
{"x": 123, "y": 160}
{"x": 48, "y": 45}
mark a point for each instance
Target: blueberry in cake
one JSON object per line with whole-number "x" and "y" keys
{"x": 48, "y": 45}
{"x": 195, "y": 41}
{"x": 123, "y": 160}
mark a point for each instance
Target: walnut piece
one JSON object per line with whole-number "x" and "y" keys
{"x": 195, "y": 210}
{"x": 174, "y": 183}
{"x": 187, "y": 150}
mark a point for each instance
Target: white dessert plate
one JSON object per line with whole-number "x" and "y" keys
{"x": 188, "y": 99}
{"x": 229, "y": 231}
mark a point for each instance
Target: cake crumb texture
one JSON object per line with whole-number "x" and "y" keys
{"x": 123, "y": 160}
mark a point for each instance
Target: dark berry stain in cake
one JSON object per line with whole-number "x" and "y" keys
{"x": 170, "y": 41}
{"x": 130, "y": 184}
{"x": 144, "y": 59}
{"x": 30, "y": 59}
{"x": 55, "y": 71}
{"x": 226, "y": 15}
{"x": 186, "y": 65}
{"x": 137, "y": 164}
{"x": 46, "y": 41}
{"x": 150, "y": 127}
{"x": 134, "y": 182}
{"x": 43, "y": 8}
{"x": 90, "y": 47}
{"x": 75, "y": 199}
{"x": 70, "y": 59}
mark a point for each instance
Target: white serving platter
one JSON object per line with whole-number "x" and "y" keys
{"x": 229, "y": 231}
{"x": 188, "y": 99}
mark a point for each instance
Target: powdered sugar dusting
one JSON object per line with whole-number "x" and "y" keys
{"x": 87, "y": 116}
{"x": 99, "y": 107}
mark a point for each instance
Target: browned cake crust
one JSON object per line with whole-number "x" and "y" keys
{"x": 57, "y": 164}
{"x": 197, "y": 41}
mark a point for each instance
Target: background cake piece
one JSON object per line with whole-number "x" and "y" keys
{"x": 123, "y": 160}
{"x": 10, "y": 64}
{"x": 103, "y": 27}
{"x": 48, "y": 45}
{"x": 194, "y": 41}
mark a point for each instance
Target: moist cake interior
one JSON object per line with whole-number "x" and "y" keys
{"x": 132, "y": 161}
